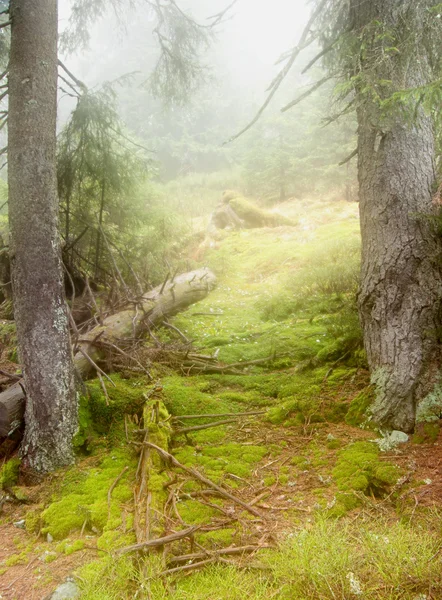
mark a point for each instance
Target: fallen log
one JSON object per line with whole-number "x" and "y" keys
{"x": 173, "y": 296}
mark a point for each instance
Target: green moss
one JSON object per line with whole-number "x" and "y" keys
{"x": 333, "y": 444}
{"x": 33, "y": 520}
{"x": 17, "y": 559}
{"x": 9, "y": 473}
{"x": 229, "y": 458}
{"x": 184, "y": 397}
{"x": 357, "y": 412}
{"x": 127, "y": 397}
{"x": 83, "y": 496}
{"x": 86, "y": 430}
{"x": 257, "y": 217}
{"x": 269, "y": 480}
{"x": 195, "y": 513}
{"x": 344, "y": 502}
{"x": 217, "y": 539}
{"x": 359, "y": 469}
{"x": 67, "y": 547}
{"x": 426, "y": 433}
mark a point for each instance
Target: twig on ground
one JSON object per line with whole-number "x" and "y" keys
{"x": 111, "y": 489}
{"x": 158, "y": 542}
{"x": 197, "y": 475}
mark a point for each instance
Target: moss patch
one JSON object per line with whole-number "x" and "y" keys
{"x": 82, "y": 499}
{"x": 357, "y": 411}
{"x": 359, "y": 469}
{"x": 9, "y": 473}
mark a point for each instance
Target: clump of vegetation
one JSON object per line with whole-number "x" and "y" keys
{"x": 9, "y": 473}
{"x": 252, "y": 215}
{"x": 82, "y": 500}
{"x": 126, "y": 397}
{"x": 359, "y": 469}
{"x": 426, "y": 433}
{"x": 357, "y": 413}
{"x": 217, "y": 460}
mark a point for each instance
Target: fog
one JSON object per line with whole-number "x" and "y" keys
{"x": 242, "y": 55}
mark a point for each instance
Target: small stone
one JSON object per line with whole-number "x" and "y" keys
{"x": 66, "y": 591}
{"x": 49, "y": 538}
{"x": 20, "y": 524}
{"x": 390, "y": 440}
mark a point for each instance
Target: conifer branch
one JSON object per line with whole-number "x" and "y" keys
{"x": 306, "y": 94}
{"x": 276, "y": 83}
{"x": 349, "y": 157}
{"x": 78, "y": 82}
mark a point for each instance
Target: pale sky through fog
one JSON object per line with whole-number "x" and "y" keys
{"x": 247, "y": 46}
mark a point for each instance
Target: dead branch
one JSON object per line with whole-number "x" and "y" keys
{"x": 94, "y": 364}
{"x": 197, "y": 475}
{"x": 162, "y": 541}
{"x": 201, "y": 427}
{"x": 276, "y": 84}
{"x": 111, "y": 489}
{"x": 180, "y": 333}
{"x": 349, "y": 157}
{"x": 192, "y": 567}
{"x": 221, "y": 552}
{"x": 208, "y": 416}
{"x": 103, "y": 387}
{"x": 80, "y": 84}
{"x": 323, "y": 52}
{"x": 306, "y": 94}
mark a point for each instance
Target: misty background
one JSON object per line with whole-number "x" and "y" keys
{"x": 278, "y": 158}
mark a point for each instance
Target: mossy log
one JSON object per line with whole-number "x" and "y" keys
{"x": 171, "y": 297}
{"x": 150, "y": 492}
{"x": 163, "y": 301}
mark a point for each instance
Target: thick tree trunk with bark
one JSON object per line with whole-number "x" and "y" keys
{"x": 401, "y": 290}
{"x": 39, "y": 303}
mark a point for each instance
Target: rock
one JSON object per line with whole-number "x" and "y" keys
{"x": 66, "y": 591}
{"x": 49, "y": 538}
{"x": 390, "y": 440}
{"x": 20, "y": 524}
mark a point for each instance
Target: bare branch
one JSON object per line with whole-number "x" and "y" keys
{"x": 323, "y": 52}
{"x": 78, "y": 82}
{"x": 5, "y": 24}
{"x": 276, "y": 83}
{"x": 336, "y": 116}
{"x": 302, "y": 97}
{"x": 349, "y": 157}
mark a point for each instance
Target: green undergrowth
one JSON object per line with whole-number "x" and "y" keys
{"x": 9, "y": 473}
{"x": 286, "y": 293}
{"x": 219, "y": 461}
{"x": 81, "y": 501}
{"x": 255, "y": 216}
{"x": 325, "y": 560}
{"x": 360, "y": 470}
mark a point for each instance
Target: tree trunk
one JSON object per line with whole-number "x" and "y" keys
{"x": 401, "y": 290}
{"x": 39, "y": 302}
{"x": 158, "y": 304}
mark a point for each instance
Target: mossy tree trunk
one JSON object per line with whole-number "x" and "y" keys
{"x": 401, "y": 291}
{"x": 39, "y": 302}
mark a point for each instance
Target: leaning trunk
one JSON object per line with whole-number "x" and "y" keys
{"x": 400, "y": 296}
{"x": 39, "y": 303}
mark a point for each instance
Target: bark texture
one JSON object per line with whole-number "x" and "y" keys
{"x": 39, "y": 303}
{"x": 401, "y": 290}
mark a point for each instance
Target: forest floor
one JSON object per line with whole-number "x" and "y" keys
{"x": 337, "y": 517}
